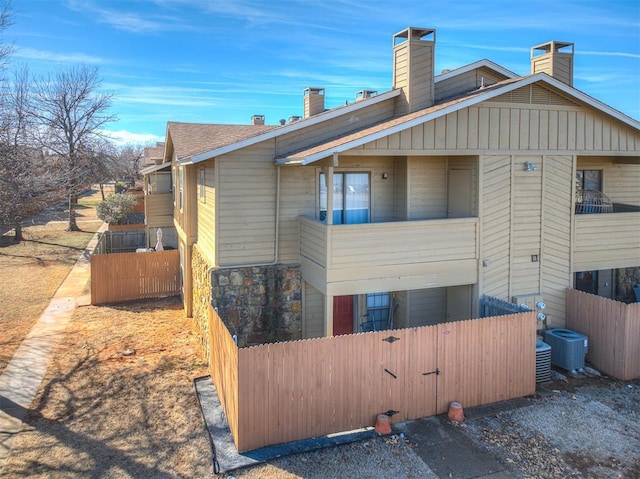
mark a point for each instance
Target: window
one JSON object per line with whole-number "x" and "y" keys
{"x": 589, "y": 180}
{"x": 180, "y": 185}
{"x": 202, "y": 191}
{"x": 350, "y": 198}
{"x": 587, "y": 281}
{"x": 173, "y": 184}
{"x": 377, "y": 312}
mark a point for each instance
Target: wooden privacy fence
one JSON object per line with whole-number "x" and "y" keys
{"x": 276, "y": 393}
{"x": 129, "y": 276}
{"x": 613, "y": 329}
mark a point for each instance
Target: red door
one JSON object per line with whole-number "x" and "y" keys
{"x": 342, "y": 315}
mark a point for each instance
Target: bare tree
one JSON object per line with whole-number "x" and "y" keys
{"x": 26, "y": 183}
{"x": 70, "y": 111}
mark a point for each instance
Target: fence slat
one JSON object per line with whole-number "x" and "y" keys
{"x": 613, "y": 329}
{"x": 121, "y": 277}
{"x": 283, "y": 392}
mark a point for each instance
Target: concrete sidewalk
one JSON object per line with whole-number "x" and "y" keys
{"x": 21, "y": 378}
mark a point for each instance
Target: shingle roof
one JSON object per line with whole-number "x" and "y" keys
{"x": 193, "y": 138}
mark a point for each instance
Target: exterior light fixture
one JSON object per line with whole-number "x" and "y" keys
{"x": 529, "y": 166}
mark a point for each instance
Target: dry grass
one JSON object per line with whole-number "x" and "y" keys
{"x": 33, "y": 269}
{"x": 118, "y": 399}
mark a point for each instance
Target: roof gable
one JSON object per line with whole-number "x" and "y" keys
{"x": 405, "y": 122}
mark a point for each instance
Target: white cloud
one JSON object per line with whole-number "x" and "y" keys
{"x": 124, "y": 137}
{"x": 43, "y": 55}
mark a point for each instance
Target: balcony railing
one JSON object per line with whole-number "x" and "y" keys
{"x": 359, "y": 258}
{"x": 606, "y": 241}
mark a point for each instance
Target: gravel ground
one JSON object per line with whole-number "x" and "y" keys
{"x": 579, "y": 428}
{"x": 576, "y": 428}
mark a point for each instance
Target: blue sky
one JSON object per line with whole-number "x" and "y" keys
{"x": 221, "y": 61}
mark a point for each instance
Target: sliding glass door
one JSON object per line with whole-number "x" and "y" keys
{"x": 350, "y": 198}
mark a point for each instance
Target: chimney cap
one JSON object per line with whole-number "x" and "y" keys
{"x": 257, "y": 119}
{"x": 553, "y": 46}
{"x": 364, "y": 94}
{"x": 413, "y": 34}
{"x": 309, "y": 90}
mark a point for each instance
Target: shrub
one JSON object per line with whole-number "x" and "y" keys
{"x": 114, "y": 208}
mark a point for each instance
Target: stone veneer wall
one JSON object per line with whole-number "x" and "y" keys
{"x": 259, "y": 304}
{"x": 201, "y": 297}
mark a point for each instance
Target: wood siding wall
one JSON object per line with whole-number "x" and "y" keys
{"x": 313, "y": 312}
{"x": 527, "y": 213}
{"x": 505, "y": 126}
{"x": 613, "y": 329}
{"x": 526, "y": 227}
{"x": 247, "y": 206}
{"x": 555, "y": 252}
{"x": 413, "y": 72}
{"x": 466, "y": 82}
{"x": 289, "y": 391}
{"x": 342, "y": 125}
{"x": 159, "y": 209}
{"x": 122, "y": 277}
{"x": 606, "y": 241}
{"x": 496, "y": 226}
{"x": 427, "y": 195}
{"x": 427, "y": 306}
{"x": 206, "y": 211}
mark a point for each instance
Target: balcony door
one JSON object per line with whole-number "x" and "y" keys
{"x": 350, "y": 198}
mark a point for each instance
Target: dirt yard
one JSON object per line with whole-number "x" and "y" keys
{"x": 33, "y": 269}
{"x": 118, "y": 399}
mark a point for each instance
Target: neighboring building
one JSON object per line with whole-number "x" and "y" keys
{"x": 158, "y": 204}
{"x": 442, "y": 190}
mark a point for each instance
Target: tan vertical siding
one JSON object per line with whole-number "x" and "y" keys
{"x": 427, "y": 188}
{"x": 551, "y": 125}
{"x": 496, "y": 219}
{"x": 313, "y": 312}
{"x": 557, "y": 174}
{"x": 247, "y": 205}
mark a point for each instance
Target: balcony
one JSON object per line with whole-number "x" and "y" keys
{"x": 159, "y": 209}
{"x": 362, "y": 258}
{"x": 607, "y": 240}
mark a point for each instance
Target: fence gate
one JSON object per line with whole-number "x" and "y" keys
{"x": 282, "y": 392}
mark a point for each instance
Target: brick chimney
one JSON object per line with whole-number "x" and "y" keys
{"x": 555, "y": 59}
{"x": 313, "y": 101}
{"x": 257, "y": 120}
{"x": 413, "y": 68}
